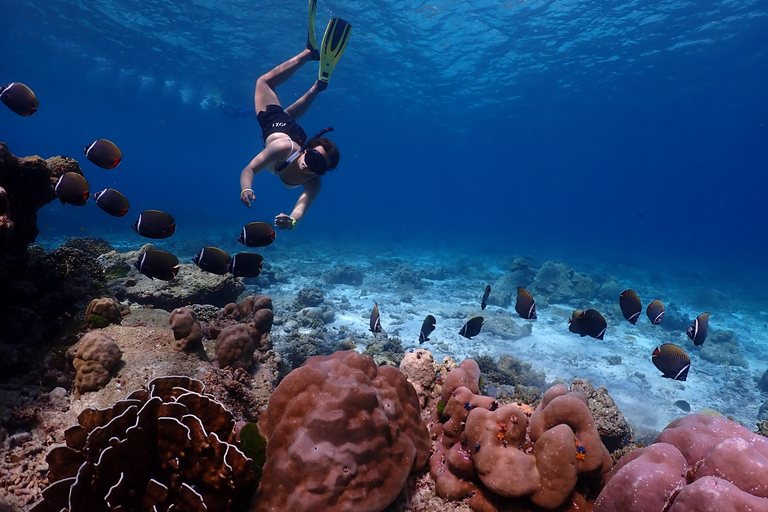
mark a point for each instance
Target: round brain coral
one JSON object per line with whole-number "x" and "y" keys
{"x": 96, "y": 358}
{"x": 342, "y": 435}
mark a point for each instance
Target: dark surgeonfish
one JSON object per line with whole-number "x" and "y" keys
{"x": 426, "y": 328}
{"x": 630, "y": 305}
{"x": 591, "y": 323}
{"x": 158, "y": 265}
{"x": 112, "y": 202}
{"x": 698, "y": 331}
{"x": 472, "y": 327}
{"x": 73, "y": 188}
{"x": 257, "y": 234}
{"x": 246, "y": 264}
{"x": 673, "y": 361}
{"x": 103, "y": 153}
{"x": 573, "y": 325}
{"x": 19, "y": 98}
{"x": 155, "y": 224}
{"x": 484, "y": 302}
{"x": 682, "y": 404}
{"x": 655, "y": 311}
{"x": 375, "y": 319}
{"x": 213, "y": 260}
{"x": 525, "y": 305}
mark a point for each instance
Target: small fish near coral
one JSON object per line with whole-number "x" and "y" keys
{"x": 630, "y": 305}
{"x": 591, "y": 323}
{"x": 157, "y": 264}
{"x": 73, "y": 189}
{"x": 257, "y": 234}
{"x": 103, "y": 153}
{"x": 112, "y": 202}
{"x": 698, "y": 331}
{"x": 375, "y": 322}
{"x": 525, "y": 305}
{"x": 155, "y": 224}
{"x": 426, "y": 328}
{"x": 19, "y": 98}
{"x": 213, "y": 260}
{"x": 673, "y": 361}
{"x": 246, "y": 264}
{"x": 472, "y": 327}
{"x": 484, "y": 302}
{"x": 655, "y": 311}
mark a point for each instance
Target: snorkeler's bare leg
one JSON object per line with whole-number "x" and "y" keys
{"x": 265, "y": 85}
{"x": 301, "y": 105}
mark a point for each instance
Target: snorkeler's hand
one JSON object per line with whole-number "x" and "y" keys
{"x": 284, "y": 221}
{"x": 247, "y": 197}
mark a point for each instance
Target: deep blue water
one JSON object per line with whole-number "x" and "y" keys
{"x": 618, "y": 132}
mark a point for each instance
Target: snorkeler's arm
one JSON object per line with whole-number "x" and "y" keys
{"x": 268, "y": 156}
{"x": 307, "y": 197}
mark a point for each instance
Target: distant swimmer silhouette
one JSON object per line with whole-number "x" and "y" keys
{"x": 287, "y": 153}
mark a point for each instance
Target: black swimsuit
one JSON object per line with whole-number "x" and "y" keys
{"x": 275, "y": 119}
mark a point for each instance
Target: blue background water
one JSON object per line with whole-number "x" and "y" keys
{"x": 595, "y": 131}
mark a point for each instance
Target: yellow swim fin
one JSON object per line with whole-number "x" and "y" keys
{"x": 334, "y": 42}
{"x": 311, "y": 38}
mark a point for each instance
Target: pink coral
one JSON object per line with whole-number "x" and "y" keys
{"x": 696, "y": 463}
{"x": 342, "y": 435}
{"x": 502, "y": 459}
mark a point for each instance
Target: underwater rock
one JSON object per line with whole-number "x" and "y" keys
{"x": 341, "y": 434}
{"x": 762, "y": 384}
{"x": 190, "y": 286}
{"x": 615, "y": 432}
{"x": 420, "y": 369}
{"x": 93, "y": 247}
{"x": 610, "y": 290}
{"x": 344, "y": 274}
{"x": 722, "y": 348}
{"x": 553, "y": 284}
{"x": 324, "y": 313}
{"x": 308, "y": 297}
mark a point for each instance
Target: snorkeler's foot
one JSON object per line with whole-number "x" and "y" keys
{"x": 320, "y": 85}
{"x": 334, "y": 42}
{"x": 311, "y": 38}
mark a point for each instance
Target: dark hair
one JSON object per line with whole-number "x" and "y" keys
{"x": 330, "y": 149}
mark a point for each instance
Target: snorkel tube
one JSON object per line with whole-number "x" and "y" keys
{"x": 285, "y": 163}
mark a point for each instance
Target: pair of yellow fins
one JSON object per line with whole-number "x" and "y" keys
{"x": 332, "y": 47}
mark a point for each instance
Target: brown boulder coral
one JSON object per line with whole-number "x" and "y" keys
{"x": 342, "y": 435}
{"x": 162, "y": 448}
{"x": 102, "y": 312}
{"x": 96, "y": 357}
{"x": 187, "y": 333}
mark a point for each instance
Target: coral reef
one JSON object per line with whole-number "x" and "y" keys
{"x": 104, "y": 311}
{"x": 696, "y": 463}
{"x": 308, "y": 297}
{"x": 162, "y": 448}
{"x": 246, "y": 328}
{"x": 96, "y": 357}
{"x": 420, "y": 369}
{"x": 93, "y": 247}
{"x": 722, "y": 348}
{"x": 341, "y": 435}
{"x": 502, "y": 459}
{"x": 615, "y": 432}
{"x": 187, "y": 332}
{"x": 344, "y": 274}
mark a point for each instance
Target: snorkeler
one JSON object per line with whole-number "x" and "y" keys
{"x": 287, "y": 153}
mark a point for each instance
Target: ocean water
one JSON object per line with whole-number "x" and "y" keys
{"x": 625, "y": 138}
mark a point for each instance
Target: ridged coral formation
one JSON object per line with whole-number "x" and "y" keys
{"x": 342, "y": 435}
{"x": 162, "y": 448}
{"x": 96, "y": 357}
{"x": 696, "y": 463}
{"x": 187, "y": 333}
{"x": 506, "y": 461}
